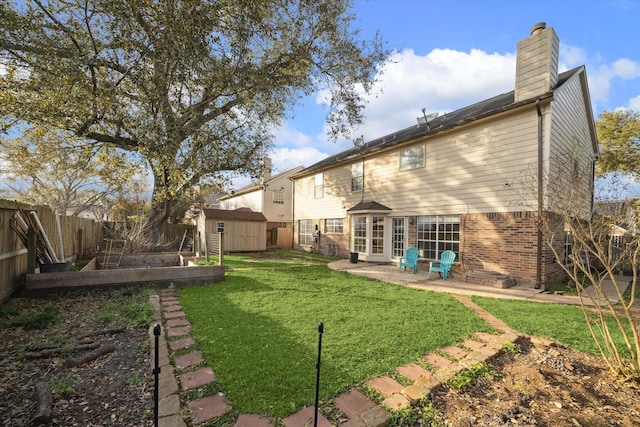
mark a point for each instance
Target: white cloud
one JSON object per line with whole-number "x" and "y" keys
{"x": 284, "y": 158}
{"x": 626, "y": 69}
{"x": 634, "y": 103}
{"x": 600, "y": 79}
{"x": 441, "y": 81}
{"x": 288, "y": 136}
{"x": 571, "y": 56}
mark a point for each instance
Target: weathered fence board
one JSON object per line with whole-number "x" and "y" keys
{"x": 80, "y": 238}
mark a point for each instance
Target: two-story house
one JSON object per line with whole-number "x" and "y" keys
{"x": 272, "y": 196}
{"x": 474, "y": 180}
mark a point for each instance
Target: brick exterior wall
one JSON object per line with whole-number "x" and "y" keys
{"x": 502, "y": 242}
{"x": 507, "y": 243}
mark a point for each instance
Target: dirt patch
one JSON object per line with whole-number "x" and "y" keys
{"x": 115, "y": 389}
{"x": 543, "y": 385}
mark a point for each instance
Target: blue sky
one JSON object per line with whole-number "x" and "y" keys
{"x": 450, "y": 54}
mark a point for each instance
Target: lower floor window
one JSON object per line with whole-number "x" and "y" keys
{"x": 333, "y": 226}
{"x": 377, "y": 235}
{"x": 360, "y": 234}
{"x": 568, "y": 248}
{"x": 438, "y": 233}
{"x": 305, "y": 232}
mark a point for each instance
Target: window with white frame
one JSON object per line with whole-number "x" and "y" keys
{"x": 277, "y": 196}
{"x": 568, "y": 248}
{"x": 357, "y": 177}
{"x": 412, "y": 158}
{"x": 360, "y": 234}
{"x": 377, "y": 235}
{"x": 438, "y": 233}
{"x": 319, "y": 186}
{"x": 305, "y": 232}
{"x": 333, "y": 226}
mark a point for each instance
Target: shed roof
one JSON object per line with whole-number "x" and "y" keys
{"x": 241, "y": 214}
{"x": 447, "y": 121}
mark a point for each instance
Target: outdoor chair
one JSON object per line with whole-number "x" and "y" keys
{"x": 443, "y": 265}
{"x": 410, "y": 259}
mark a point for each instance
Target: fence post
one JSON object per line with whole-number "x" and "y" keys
{"x": 156, "y": 372}
{"x": 320, "y": 332}
{"x": 31, "y": 251}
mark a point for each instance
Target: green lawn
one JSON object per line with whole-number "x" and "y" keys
{"x": 258, "y": 330}
{"x": 564, "y": 323}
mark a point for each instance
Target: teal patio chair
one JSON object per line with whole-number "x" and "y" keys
{"x": 410, "y": 259}
{"x": 443, "y": 265}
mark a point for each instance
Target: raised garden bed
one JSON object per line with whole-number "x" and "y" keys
{"x": 165, "y": 269}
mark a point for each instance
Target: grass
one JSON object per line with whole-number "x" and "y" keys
{"x": 563, "y": 323}
{"x": 33, "y": 319}
{"x": 259, "y": 329}
{"x": 131, "y": 307}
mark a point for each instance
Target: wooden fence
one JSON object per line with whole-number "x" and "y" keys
{"x": 79, "y": 238}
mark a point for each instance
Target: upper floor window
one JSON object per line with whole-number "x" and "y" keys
{"x": 357, "y": 177}
{"x": 319, "y": 186}
{"x": 412, "y": 158}
{"x": 277, "y": 196}
{"x": 333, "y": 226}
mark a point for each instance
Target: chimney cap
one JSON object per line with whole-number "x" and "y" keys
{"x": 538, "y": 26}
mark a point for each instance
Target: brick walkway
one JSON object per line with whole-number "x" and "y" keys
{"x": 424, "y": 377}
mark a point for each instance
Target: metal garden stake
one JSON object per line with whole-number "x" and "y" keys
{"x": 156, "y": 372}
{"x": 320, "y": 332}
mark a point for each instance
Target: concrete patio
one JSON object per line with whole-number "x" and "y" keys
{"x": 389, "y": 273}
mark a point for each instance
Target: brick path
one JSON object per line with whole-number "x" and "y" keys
{"x": 424, "y": 377}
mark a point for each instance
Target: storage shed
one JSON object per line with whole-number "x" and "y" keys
{"x": 244, "y": 231}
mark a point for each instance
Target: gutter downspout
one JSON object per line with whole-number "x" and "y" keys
{"x": 540, "y": 188}
{"x": 293, "y": 212}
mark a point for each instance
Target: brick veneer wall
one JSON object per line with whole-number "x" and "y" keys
{"x": 505, "y": 243}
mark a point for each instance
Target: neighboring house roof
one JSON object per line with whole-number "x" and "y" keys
{"x": 235, "y": 215}
{"x": 482, "y": 109}
{"x": 260, "y": 185}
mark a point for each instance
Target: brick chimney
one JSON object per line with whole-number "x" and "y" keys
{"x": 537, "y": 63}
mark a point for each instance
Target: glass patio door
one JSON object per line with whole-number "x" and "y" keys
{"x": 398, "y": 237}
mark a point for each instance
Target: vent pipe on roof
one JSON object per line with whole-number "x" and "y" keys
{"x": 537, "y": 27}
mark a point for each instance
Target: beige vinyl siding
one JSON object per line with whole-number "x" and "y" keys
{"x": 337, "y": 195}
{"x": 252, "y": 200}
{"x": 278, "y": 212}
{"x": 569, "y": 138}
{"x": 466, "y": 171}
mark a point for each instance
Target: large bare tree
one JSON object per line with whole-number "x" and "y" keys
{"x": 55, "y": 169}
{"x": 192, "y": 86}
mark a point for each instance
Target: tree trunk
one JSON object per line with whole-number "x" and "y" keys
{"x": 158, "y": 214}
{"x": 44, "y": 406}
{"x": 89, "y": 357}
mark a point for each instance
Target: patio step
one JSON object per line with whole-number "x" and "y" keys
{"x": 489, "y": 278}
